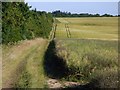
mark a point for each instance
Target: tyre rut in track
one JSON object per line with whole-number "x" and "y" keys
{"x": 68, "y": 31}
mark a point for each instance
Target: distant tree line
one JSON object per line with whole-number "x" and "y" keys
{"x": 59, "y": 13}
{"x": 20, "y": 23}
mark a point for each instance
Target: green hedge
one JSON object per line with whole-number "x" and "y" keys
{"x": 20, "y": 23}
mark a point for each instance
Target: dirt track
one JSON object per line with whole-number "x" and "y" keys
{"x": 15, "y": 60}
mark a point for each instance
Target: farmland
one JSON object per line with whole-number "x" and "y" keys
{"x": 84, "y": 51}
{"x": 95, "y": 28}
{"x": 90, "y": 50}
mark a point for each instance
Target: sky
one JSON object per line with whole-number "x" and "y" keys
{"x": 77, "y": 7}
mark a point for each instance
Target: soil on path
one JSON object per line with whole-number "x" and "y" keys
{"x": 54, "y": 83}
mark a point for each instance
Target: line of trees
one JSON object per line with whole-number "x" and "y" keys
{"x": 59, "y": 13}
{"x": 20, "y": 23}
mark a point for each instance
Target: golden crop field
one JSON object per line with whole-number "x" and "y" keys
{"x": 87, "y": 28}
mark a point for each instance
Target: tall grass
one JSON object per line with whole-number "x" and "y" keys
{"x": 90, "y": 60}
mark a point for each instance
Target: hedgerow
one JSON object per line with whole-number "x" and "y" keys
{"x": 20, "y": 23}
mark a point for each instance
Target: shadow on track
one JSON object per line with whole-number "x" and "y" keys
{"x": 54, "y": 66}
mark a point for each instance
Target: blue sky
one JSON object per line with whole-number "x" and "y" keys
{"x": 77, "y": 7}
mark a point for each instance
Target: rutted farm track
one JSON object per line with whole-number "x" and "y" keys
{"x": 42, "y": 63}
{"x": 30, "y": 65}
{"x": 24, "y": 59}
{"x": 33, "y": 64}
{"x": 67, "y": 30}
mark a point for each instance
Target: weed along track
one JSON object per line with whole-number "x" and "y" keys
{"x": 57, "y": 70}
{"x": 81, "y": 67}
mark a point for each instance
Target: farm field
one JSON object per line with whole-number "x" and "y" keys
{"x": 88, "y": 28}
{"x": 47, "y": 47}
{"x": 90, "y": 51}
{"x": 82, "y": 53}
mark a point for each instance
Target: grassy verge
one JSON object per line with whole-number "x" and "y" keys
{"x": 35, "y": 67}
{"x": 24, "y": 77}
{"x": 33, "y": 75}
{"x": 90, "y": 61}
{"x": 13, "y": 66}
